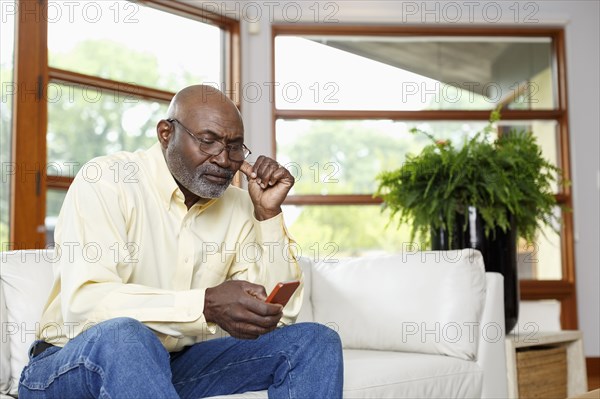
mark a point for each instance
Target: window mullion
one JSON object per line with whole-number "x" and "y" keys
{"x": 116, "y": 87}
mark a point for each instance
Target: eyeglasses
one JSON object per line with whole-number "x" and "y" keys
{"x": 236, "y": 152}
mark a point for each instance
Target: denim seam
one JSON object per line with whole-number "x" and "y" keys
{"x": 290, "y": 377}
{"x": 95, "y": 368}
{"x": 104, "y": 394}
{"x": 227, "y": 367}
{"x": 63, "y": 370}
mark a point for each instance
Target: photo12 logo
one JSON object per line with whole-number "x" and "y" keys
{"x": 286, "y": 92}
{"x": 53, "y": 93}
{"x": 255, "y": 12}
{"x": 72, "y": 11}
{"x": 449, "y": 12}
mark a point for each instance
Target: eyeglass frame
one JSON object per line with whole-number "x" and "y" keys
{"x": 224, "y": 146}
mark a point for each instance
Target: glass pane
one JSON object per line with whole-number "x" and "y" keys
{"x": 330, "y": 232}
{"x": 413, "y": 73}
{"x": 131, "y": 43}
{"x": 84, "y": 123}
{"x": 7, "y": 38}
{"x": 345, "y": 156}
{"x": 546, "y": 134}
{"x": 536, "y": 93}
{"x": 54, "y": 201}
{"x": 542, "y": 259}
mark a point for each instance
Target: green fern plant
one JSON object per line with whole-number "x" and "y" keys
{"x": 498, "y": 177}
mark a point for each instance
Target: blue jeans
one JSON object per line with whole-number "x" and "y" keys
{"x": 122, "y": 358}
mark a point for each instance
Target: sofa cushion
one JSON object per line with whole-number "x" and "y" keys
{"x": 426, "y": 302}
{"x": 409, "y": 375}
{"x": 4, "y": 348}
{"x": 26, "y": 281}
{"x": 379, "y": 374}
{"x": 306, "y": 312}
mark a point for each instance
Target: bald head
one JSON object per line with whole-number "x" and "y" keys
{"x": 190, "y": 101}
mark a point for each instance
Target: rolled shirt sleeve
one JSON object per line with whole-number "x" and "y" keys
{"x": 271, "y": 260}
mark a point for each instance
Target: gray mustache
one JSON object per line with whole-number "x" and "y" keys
{"x": 214, "y": 169}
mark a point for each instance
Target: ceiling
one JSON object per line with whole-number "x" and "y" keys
{"x": 472, "y": 65}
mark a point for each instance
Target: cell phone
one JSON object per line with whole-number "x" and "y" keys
{"x": 282, "y": 292}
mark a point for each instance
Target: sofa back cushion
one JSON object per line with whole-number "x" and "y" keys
{"x": 26, "y": 279}
{"x": 306, "y": 312}
{"x": 4, "y": 348}
{"x": 426, "y": 302}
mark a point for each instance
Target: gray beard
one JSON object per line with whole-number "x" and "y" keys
{"x": 195, "y": 180}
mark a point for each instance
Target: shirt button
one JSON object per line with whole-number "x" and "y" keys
{"x": 186, "y": 259}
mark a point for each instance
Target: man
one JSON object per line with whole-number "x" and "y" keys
{"x": 157, "y": 252}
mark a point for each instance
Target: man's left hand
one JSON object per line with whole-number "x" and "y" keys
{"x": 268, "y": 185}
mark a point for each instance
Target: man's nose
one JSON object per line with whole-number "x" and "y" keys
{"x": 222, "y": 158}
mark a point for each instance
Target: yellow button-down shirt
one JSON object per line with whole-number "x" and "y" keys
{"x": 127, "y": 246}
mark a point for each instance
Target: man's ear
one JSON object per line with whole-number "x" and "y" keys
{"x": 164, "y": 130}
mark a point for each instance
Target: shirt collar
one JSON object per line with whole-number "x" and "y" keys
{"x": 166, "y": 184}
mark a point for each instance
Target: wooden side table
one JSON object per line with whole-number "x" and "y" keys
{"x": 575, "y": 359}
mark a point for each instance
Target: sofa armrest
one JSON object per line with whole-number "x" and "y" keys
{"x": 491, "y": 355}
{"x": 5, "y": 381}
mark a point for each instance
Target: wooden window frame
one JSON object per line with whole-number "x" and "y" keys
{"x": 563, "y": 290}
{"x": 32, "y": 75}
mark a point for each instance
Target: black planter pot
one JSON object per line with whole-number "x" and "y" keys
{"x": 499, "y": 252}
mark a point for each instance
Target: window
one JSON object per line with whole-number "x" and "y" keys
{"x": 7, "y": 39}
{"x": 344, "y": 117}
{"x": 103, "y": 75}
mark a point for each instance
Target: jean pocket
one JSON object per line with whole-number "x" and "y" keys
{"x": 39, "y": 372}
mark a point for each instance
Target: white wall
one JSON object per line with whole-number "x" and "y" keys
{"x": 581, "y": 19}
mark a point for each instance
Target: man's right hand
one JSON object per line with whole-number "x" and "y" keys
{"x": 239, "y": 308}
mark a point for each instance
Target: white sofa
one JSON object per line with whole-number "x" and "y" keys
{"x": 413, "y": 325}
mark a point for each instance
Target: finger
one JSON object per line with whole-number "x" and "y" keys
{"x": 265, "y": 170}
{"x": 241, "y": 331}
{"x": 249, "y": 331}
{"x": 260, "y": 324}
{"x": 280, "y": 174}
{"x": 259, "y": 166}
{"x": 247, "y": 169}
{"x": 261, "y": 308}
{"x": 257, "y": 291}
{"x": 271, "y": 176}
